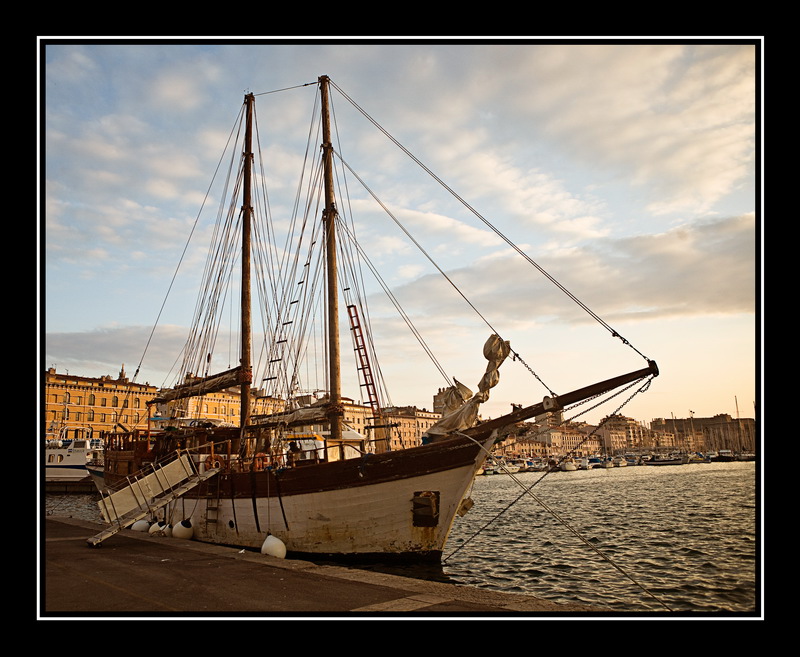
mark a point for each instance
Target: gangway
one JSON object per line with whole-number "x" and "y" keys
{"x": 147, "y": 491}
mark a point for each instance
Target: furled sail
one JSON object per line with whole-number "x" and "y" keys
{"x": 306, "y": 415}
{"x": 197, "y": 387}
{"x": 463, "y": 416}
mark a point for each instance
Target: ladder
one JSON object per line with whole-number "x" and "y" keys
{"x": 146, "y": 492}
{"x": 363, "y": 359}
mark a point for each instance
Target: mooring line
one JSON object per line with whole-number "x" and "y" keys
{"x": 564, "y": 523}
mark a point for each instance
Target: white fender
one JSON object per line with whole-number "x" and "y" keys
{"x": 183, "y": 529}
{"x": 274, "y": 547}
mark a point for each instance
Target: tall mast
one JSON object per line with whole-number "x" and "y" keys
{"x": 329, "y": 220}
{"x": 247, "y": 213}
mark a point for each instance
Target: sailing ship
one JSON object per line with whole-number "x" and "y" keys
{"x": 293, "y": 472}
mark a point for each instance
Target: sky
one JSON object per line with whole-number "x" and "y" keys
{"x": 629, "y": 170}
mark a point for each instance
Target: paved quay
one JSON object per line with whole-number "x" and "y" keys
{"x": 138, "y": 574}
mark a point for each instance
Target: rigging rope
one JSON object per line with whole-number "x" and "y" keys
{"x": 527, "y": 490}
{"x": 530, "y": 260}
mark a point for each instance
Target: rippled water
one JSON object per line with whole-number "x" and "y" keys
{"x": 670, "y": 538}
{"x": 633, "y": 539}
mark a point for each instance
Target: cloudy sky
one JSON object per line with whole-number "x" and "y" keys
{"x": 627, "y": 170}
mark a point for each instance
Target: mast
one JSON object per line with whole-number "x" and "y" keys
{"x": 247, "y": 213}
{"x": 329, "y": 220}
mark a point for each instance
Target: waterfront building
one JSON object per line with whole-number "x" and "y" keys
{"x": 73, "y": 403}
{"x": 409, "y": 423}
{"x": 547, "y": 438}
{"x": 709, "y": 433}
{"x": 105, "y": 403}
{"x": 621, "y": 435}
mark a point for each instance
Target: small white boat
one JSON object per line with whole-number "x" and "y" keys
{"x": 667, "y": 460}
{"x": 568, "y": 465}
{"x": 619, "y": 461}
{"x": 65, "y": 460}
{"x": 506, "y": 467}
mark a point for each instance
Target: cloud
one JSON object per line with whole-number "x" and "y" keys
{"x": 105, "y": 350}
{"x": 627, "y": 170}
{"x": 695, "y": 270}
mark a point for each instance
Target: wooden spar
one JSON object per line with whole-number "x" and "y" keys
{"x": 561, "y": 401}
{"x": 247, "y": 212}
{"x": 329, "y": 219}
{"x": 204, "y": 386}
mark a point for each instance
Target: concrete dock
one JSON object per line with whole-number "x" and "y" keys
{"x": 135, "y": 574}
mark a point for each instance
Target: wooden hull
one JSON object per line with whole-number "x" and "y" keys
{"x": 395, "y": 505}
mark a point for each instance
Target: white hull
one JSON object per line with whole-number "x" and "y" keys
{"x": 65, "y": 464}
{"x": 355, "y": 521}
{"x": 97, "y": 474}
{"x": 65, "y": 473}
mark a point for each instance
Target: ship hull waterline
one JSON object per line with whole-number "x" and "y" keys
{"x": 392, "y": 506}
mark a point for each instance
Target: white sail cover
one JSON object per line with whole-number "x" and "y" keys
{"x": 461, "y": 410}
{"x": 299, "y": 416}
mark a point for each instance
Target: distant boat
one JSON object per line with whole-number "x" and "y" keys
{"x": 568, "y": 465}
{"x": 97, "y": 474}
{"x": 724, "y": 456}
{"x": 667, "y": 460}
{"x": 65, "y": 459}
{"x": 508, "y": 468}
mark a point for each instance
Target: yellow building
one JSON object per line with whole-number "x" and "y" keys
{"x": 106, "y": 403}
{"x": 99, "y": 404}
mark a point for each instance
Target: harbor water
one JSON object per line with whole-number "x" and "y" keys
{"x": 665, "y": 539}
{"x": 678, "y": 538}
